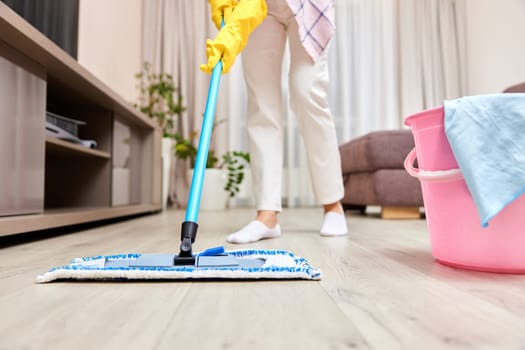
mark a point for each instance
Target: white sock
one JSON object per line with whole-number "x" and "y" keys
{"x": 253, "y": 232}
{"x": 334, "y": 224}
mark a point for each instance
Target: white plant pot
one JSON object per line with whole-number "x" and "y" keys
{"x": 213, "y": 197}
{"x": 167, "y": 154}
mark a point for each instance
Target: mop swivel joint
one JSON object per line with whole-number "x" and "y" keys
{"x": 187, "y": 238}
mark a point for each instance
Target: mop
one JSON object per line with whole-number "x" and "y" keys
{"x": 213, "y": 263}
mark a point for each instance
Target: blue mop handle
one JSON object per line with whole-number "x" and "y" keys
{"x": 192, "y": 210}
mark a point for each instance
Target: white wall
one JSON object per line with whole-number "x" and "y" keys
{"x": 110, "y": 42}
{"x": 496, "y": 44}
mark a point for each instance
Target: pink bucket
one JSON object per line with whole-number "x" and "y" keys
{"x": 456, "y": 236}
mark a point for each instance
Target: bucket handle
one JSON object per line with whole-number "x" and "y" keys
{"x": 425, "y": 175}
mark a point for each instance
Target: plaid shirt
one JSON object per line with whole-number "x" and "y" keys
{"x": 316, "y": 23}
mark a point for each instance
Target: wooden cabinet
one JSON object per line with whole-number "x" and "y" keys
{"x": 69, "y": 183}
{"x": 22, "y": 103}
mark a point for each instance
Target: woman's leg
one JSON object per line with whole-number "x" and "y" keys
{"x": 308, "y": 99}
{"x": 262, "y": 62}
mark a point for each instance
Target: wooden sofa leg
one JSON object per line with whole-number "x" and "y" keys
{"x": 400, "y": 213}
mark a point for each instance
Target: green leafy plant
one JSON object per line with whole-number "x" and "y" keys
{"x": 159, "y": 99}
{"x": 234, "y": 162}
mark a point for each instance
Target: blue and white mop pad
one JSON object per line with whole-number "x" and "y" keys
{"x": 214, "y": 263}
{"x": 486, "y": 134}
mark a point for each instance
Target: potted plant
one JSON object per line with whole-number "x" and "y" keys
{"x": 160, "y": 100}
{"x": 157, "y": 99}
{"x": 223, "y": 176}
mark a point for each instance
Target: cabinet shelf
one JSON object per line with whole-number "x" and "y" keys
{"x": 56, "y": 146}
{"x": 65, "y": 217}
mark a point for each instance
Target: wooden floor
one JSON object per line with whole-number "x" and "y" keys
{"x": 381, "y": 289}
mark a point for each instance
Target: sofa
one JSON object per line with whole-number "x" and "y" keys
{"x": 374, "y": 175}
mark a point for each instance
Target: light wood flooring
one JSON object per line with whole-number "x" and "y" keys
{"x": 381, "y": 289}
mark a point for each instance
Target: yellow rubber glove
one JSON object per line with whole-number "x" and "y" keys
{"x": 233, "y": 37}
{"x": 221, "y": 9}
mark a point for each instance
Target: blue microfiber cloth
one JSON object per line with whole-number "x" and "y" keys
{"x": 487, "y": 135}
{"x": 274, "y": 264}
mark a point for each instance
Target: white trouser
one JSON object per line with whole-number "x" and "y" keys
{"x": 308, "y": 85}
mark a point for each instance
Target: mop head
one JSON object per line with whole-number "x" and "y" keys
{"x": 236, "y": 264}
